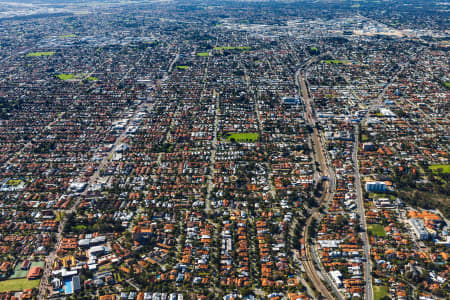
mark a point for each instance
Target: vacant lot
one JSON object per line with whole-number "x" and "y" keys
{"x": 376, "y": 229}
{"x": 203, "y": 54}
{"x": 242, "y": 137}
{"x": 18, "y": 285}
{"x": 182, "y": 67}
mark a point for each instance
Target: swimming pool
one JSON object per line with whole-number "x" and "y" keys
{"x": 68, "y": 286}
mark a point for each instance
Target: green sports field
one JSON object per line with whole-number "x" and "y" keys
{"x": 334, "y": 61}
{"x": 445, "y": 168}
{"x": 242, "y": 48}
{"x": 67, "y": 36}
{"x": 34, "y": 54}
{"x": 376, "y": 229}
{"x": 19, "y": 273}
{"x": 243, "y": 137}
{"x": 65, "y": 76}
{"x": 18, "y": 285}
{"x": 380, "y": 291}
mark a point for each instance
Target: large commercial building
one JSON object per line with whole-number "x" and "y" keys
{"x": 375, "y": 186}
{"x": 419, "y": 229}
